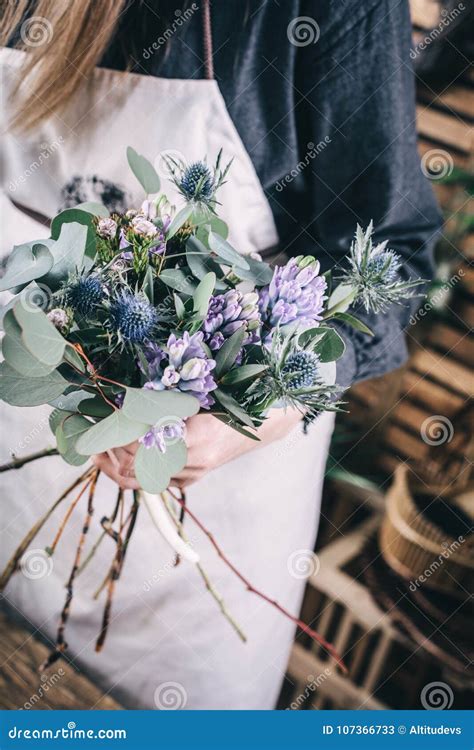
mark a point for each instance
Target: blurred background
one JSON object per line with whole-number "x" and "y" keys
{"x": 390, "y": 582}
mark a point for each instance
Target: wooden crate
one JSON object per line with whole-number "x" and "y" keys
{"x": 385, "y": 669}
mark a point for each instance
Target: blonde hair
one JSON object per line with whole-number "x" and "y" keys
{"x": 64, "y": 40}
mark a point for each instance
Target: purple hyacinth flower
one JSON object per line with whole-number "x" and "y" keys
{"x": 296, "y": 294}
{"x": 227, "y": 313}
{"x": 184, "y": 366}
{"x": 160, "y": 436}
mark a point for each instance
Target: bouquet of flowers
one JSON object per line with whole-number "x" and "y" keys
{"x": 129, "y": 324}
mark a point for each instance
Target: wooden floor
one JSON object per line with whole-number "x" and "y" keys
{"x": 22, "y": 687}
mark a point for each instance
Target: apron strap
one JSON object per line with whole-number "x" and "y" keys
{"x": 207, "y": 33}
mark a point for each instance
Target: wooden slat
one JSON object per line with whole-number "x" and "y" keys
{"x": 424, "y": 13}
{"x": 443, "y": 370}
{"x": 434, "y": 396}
{"x": 445, "y": 128}
{"x": 459, "y": 344}
{"x": 459, "y": 99}
{"x": 340, "y": 689}
{"x": 404, "y": 444}
{"x": 459, "y": 160}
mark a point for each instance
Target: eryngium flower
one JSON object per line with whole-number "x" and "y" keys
{"x": 296, "y": 294}
{"x": 85, "y": 294}
{"x": 374, "y": 273}
{"x": 301, "y": 370}
{"x": 133, "y": 317}
{"x": 227, "y": 313}
{"x": 184, "y": 365}
{"x": 196, "y": 182}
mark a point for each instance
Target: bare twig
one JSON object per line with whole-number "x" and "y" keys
{"x": 12, "y": 564}
{"x": 105, "y": 520}
{"x": 302, "y": 625}
{"x": 117, "y": 568}
{"x": 17, "y": 463}
{"x": 61, "y": 644}
{"x": 50, "y": 550}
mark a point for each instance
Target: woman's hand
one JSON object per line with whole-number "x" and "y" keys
{"x": 210, "y": 443}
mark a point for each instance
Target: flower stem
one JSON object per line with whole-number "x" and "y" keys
{"x": 302, "y": 625}
{"x": 207, "y": 582}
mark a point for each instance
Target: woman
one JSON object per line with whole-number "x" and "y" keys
{"x": 315, "y": 103}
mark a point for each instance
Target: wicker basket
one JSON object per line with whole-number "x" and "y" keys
{"x": 419, "y": 550}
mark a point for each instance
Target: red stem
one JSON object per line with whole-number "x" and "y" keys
{"x": 302, "y": 625}
{"x": 95, "y": 375}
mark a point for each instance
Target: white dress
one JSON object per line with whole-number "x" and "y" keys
{"x": 168, "y": 644}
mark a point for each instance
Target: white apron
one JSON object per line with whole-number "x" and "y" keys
{"x": 168, "y": 645}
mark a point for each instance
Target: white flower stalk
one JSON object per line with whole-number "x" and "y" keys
{"x": 161, "y": 519}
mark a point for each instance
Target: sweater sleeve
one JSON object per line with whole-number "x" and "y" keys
{"x": 355, "y": 103}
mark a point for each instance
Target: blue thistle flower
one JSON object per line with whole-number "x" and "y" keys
{"x": 85, "y": 295}
{"x": 374, "y": 274}
{"x": 301, "y": 370}
{"x": 133, "y": 317}
{"x": 197, "y": 182}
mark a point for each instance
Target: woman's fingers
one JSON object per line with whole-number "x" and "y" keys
{"x": 104, "y": 463}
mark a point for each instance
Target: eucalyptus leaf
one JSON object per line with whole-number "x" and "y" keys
{"x": 144, "y": 171}
{"x": 154, "y": 469}
{"x": 341, "y": 299}
{"x": 203, "y": 293}
{"x": 111, "y": 432}
{"x": 16, "y": 353}
{"x": 351, "y": 320}
{"x": 22, "y": 390}
{"x": 68, "y": 252}
{"x": 71, "y": 400}
{"x": 330, "y": 347}
{"x": 229, "y": 351}
{"x": 259, "y": 273}
{"x": 70, "y": 430}
{"x": 226, "y": 252}
{"x": 77, "y": 216}
{"x": 232, "y": 406}
{"x": 94, "y": 407}
{"x": 177, "y": 278}
{"x": 26, "y": 263}
{"x": 72, "y": 357}
{"x": 242, "y": 373}
{"x": 179, "y": 306}
{"x": 56, "y": 417}
{"x": 40, "y": 336}
{"x": 150, "y": 406}
{"x": 181, "y": 218}
{"x": 96, "y": 209}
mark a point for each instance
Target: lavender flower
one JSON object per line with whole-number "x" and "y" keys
{"x": 227, "y": 313}
{"x": 182, "y": 365}
{"x": 162, "y": 435}
{"x": 296, "y": 294}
